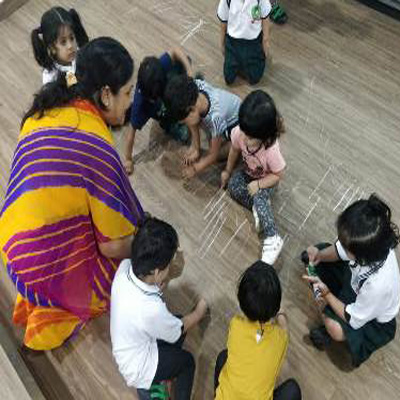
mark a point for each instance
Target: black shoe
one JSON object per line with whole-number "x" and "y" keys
{"x": 320, "y": 338}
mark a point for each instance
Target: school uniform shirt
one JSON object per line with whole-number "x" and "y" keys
{"x": 52, "y": 74}
{"x": 262, "y": 162}
{"x": 223, "y": 111}
{"x": 237, "y": 14}
{"x": 143, "y": 109}
{"x": 378, "y": 293}
{"x": 253, "y": 363}
{"x": 139, "y": 317}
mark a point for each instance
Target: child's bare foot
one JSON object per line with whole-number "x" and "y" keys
{"x": 128, "y": 165}
{"x": 191, "y": 156}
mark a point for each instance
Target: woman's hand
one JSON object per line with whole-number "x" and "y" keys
{"x": 253, "y": 188}
{"x": 225, "y": 175}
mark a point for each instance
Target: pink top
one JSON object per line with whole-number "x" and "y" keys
{"x": 263, "y": 161}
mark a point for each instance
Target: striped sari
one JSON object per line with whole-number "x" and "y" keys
{"x": 67, "y": 193}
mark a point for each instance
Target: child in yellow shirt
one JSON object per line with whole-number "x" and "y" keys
{"x": 257, "y": 342}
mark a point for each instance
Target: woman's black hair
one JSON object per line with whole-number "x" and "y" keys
{"x": 365, "y": 229}
{"x": 102, "y": 62}
{"x": 180, "y": 95}
{"x": 154, "y": 246}
{"x": 259, "y": 292}
{"x": 50, "y": 25}
{"x": 151, "y": 78}
{"x": 259, "y": 118}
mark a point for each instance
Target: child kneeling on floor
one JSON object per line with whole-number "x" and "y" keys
{"x": 257, "y": 342}
{"x": 358, "y": 280}
{"x": 256, "y": 139}
{"x": 146, "y": 338}
{"x": 202, "y": 106}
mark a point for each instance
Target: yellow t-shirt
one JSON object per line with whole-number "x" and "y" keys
{"x": 253, "y": 364}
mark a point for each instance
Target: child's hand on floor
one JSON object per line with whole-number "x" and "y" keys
{"x": 191, "y": 156}
{"x": 128, "y": 165}
{"x": 253, "y": 188}
{"x": 225, "y": 175}
{"x": 266, "y": 47}
{"x": 189, "y": 172}
{"x": 201, "y": 309}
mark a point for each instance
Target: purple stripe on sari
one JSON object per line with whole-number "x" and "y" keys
{"x": 38, "y": 182}
{"x": 67, "y": 166}
{"x": 63, "y": 132}
{"x": 51, "y": 262}
{"x": 97, "y": 291}
{"x": 47, "y": 229}
{"x": 103, "y": 282}
{"x": 45, "y": 243}
{"x": 67, "y": 145}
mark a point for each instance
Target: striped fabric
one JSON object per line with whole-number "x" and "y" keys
{"x": 67, "y": 192}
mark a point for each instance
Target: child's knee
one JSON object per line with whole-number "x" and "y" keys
{"x": 190, "y": 362}
{"x": 254, "y": 76}
{"x": 293, "y": 389}
{"x": 334, "y": 329}
{"x": 230, "y": 76}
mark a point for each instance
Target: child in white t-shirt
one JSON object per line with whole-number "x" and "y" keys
{"x": 55, "y": 43}
{"x": 146, "y": 338}
{"x": 245, "y": 31}
{"x": 256, "y": 139}
{"x": 358, "y": 280}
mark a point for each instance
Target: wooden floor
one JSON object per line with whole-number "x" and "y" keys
{"x": 335, "y": 75}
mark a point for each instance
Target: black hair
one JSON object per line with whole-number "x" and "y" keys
{"x": 365, "y": 229}
{"x": 151, "y": 78}
{"x": 259, "y": 292}
{"x": 259, "y": 118}
{"x": 102, "y": 62}
{"x": 50, "y": 26}
{"x": 154, "y": 246}
{"x": 181, "y": 93}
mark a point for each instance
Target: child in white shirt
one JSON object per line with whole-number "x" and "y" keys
{"x": 55, "y": 43}
{"x": 146, "y": 338}
{"x": 245, "y": 31}
{"x": 358, "y": 280}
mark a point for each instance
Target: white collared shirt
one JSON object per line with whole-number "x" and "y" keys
{"x": 51, "y": 75}
{"x": 139, "y": 317}
{"x": 238, "y": 16}
{"x": 379, "y": 296}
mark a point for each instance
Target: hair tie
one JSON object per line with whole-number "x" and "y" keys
{"x": 71, "y": 79}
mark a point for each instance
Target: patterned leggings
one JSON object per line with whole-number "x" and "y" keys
{"x": 237, "y": 188}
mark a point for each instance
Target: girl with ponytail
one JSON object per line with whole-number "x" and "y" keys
{"x": 56, "y": 41}
{"x": 357, "y": 280}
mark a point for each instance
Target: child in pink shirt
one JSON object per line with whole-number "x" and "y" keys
{"x": 256, "y": 139}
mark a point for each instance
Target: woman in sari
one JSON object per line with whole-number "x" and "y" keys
{"x": 70, "y": 213}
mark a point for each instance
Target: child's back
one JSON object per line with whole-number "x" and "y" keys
{"x": 223, "y": 112}
{"x": 257, "y": 342}
{"x": 138, "y": 317}
{"x": 252, "y": 366}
